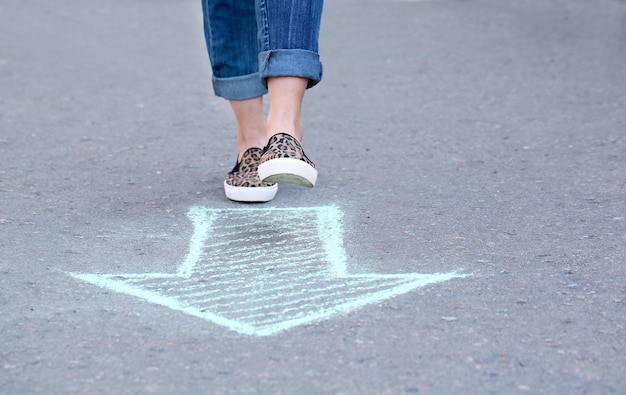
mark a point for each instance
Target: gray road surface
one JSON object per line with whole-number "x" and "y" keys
{"x": 486, "y": 137}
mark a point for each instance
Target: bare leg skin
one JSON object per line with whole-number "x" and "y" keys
{"x": 285, "y": 113}
{"x": 250, "y": 124}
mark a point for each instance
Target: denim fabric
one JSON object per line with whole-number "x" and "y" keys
{"x": 249, "y": 41}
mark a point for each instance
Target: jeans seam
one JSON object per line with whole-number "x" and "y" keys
{"x": 209, "y": 39}
{"x": 265, "y": 39}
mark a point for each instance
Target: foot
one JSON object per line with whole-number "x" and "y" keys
{"x": 243, "y": 184}
{"x": 284, "y": 162}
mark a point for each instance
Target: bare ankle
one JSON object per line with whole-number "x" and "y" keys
{"x": 292, "y": 128}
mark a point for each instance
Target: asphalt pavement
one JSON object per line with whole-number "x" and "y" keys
{"x": 467, "y": 234}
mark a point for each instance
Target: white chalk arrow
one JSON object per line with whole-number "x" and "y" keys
{"x": 262, "y": 271}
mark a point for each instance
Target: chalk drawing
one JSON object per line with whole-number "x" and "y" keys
{"x": 261, "y": 271}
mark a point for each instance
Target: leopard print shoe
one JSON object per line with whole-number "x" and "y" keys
{"x": 284, "y": 162}
{"x": 243, "y": 184}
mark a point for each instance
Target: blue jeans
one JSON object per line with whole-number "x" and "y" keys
{"x": 251, "y": 40}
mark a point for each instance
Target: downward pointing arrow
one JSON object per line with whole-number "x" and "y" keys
{"x": 263, "y": 271}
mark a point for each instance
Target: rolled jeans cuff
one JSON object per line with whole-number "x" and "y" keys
{"x": 239, "y": 88}
{"x": 290, "y": 63}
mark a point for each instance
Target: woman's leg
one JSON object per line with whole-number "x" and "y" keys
{"x": 289, "y": 64}
{"x": 285, "y": 112}
{"x": 230, "y": 28}
{"x": 289, "y": 60}
{"x": 250, "y": 124}
{"x": 288, "y": 39}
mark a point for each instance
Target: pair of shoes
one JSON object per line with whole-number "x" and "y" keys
{"x": 254, "y": 177}
{"x": 243, "y": 184}
{"x": 284, "y": 162}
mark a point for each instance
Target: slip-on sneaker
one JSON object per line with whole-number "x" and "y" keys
{"x": 284, "y": 162}
{"x": 243, "y": 184}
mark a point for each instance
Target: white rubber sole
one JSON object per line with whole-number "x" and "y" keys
{"x": 288, "y": 171}
{"x": 250, "y": 194}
